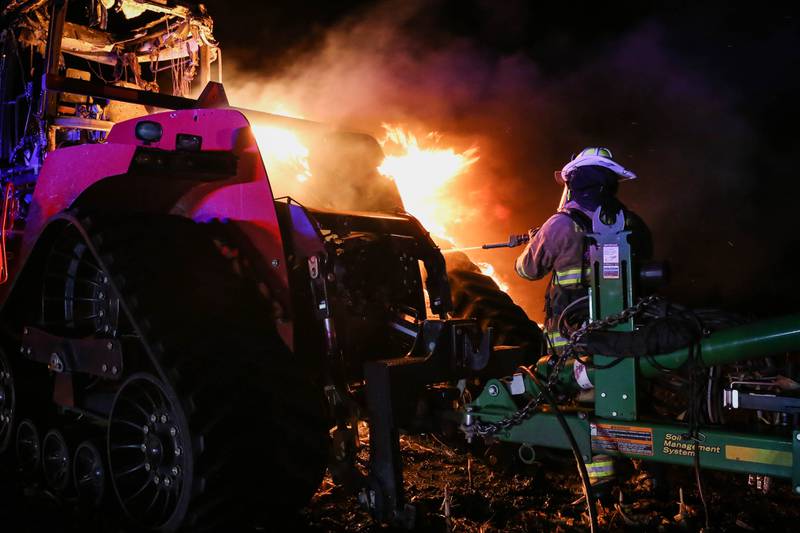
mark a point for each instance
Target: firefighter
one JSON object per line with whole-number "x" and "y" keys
{"x": 591, "y": 179}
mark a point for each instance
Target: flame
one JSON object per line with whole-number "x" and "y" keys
{"x": 422, "y": 175}
{"x": 488, "y": 270}
{"x": 425, "y": 172}
{"x": 282, "y": 151}
{"x": 426, "y": 177}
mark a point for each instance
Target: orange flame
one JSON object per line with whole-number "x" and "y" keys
{"x": 488, "y": 270}
{"x": 282, "y": 151}
{"x": 425, "y": 173}
{"x": 422, "y": 175}
{"x": 425, "y": 176}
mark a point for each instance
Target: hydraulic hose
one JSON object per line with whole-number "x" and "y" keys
{"x": 582, "y": 471}
{"x": 748, "y": 341}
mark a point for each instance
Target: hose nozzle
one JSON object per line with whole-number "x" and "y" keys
{"x": 513, "y": 240}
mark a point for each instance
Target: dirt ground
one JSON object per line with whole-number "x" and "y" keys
{"x": 456, "y": 490}
{"x": 459, "y": 491}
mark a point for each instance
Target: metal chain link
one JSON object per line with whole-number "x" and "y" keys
{"x": 527, "y": 411}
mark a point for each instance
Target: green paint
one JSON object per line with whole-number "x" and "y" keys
{"x": 758, "y": 339}
{"x": 616, "y": 430}
{"x": 718, "y": 450}
{"x": 611, "y": 292}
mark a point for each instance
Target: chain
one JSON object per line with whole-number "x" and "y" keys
{"x": 527, "y": 411}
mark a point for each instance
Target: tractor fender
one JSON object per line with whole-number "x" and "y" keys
{"x": 96, "y": 178}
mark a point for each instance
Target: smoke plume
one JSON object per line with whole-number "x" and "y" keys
{"x": 637, "y": 92}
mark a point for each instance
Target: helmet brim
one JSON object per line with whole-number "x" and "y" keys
{"x": 623, "y": 174}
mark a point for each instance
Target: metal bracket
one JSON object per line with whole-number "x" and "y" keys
{"x": 612, "y": 291}
{"x": 445, "y": 350}
{"x": 734, "y": 399}
{"x": 99, "y": 357}
{"x": 463, "y": 332}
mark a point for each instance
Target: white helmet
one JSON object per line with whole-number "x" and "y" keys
{"x": 594, "y": 156}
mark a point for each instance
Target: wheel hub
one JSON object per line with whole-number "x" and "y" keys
{"x": 56, "y": 460}
{"x": 89, "y": 474}
{"x": 153, "y": 448}
{"x": 162, "y": 448}
{"x": 27, "y": 447}
{"x": 146, "y": 452}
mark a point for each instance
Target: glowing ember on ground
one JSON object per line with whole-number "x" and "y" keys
{"x": 282, "y": 151}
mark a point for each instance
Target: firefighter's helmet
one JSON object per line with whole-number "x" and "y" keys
{"x": 594, "y": 155}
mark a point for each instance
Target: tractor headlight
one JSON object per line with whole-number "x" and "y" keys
{"x": 149, "y": 131}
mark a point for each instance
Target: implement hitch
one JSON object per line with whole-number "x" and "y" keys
{"x": 607, "y": 418}
{"x": 446, "y": 350}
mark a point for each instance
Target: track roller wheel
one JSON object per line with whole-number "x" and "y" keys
{"x": 150, "y": 454}
{"x": 28, "y": 447}
{"x": 7, "y": 402}
{"x": 219, "y": 406}
{"x": 89, "y": 474}
{"x": 56, "y": 460}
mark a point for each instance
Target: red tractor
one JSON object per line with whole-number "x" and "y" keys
{"x": 173, "y": 339}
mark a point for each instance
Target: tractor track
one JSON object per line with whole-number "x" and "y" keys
{"x": 229, "y": 409}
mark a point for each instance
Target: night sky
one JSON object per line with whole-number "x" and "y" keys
{"x": 700, "y": 101}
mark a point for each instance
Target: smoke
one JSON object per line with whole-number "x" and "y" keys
{"x": 635, "y": 92}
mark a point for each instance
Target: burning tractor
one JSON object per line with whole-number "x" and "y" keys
{"x": 174, "y": 337}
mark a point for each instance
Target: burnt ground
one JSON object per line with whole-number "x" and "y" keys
{"x": 458, "y": 491}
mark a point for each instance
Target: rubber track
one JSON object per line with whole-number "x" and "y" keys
{"x": 476, "y": 295}
{"x": 259, "y": 433}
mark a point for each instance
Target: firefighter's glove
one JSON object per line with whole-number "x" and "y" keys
{"x": 516, "y": 240}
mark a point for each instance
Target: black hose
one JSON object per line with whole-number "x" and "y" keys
{"x": 694, "y": 359}
{"x": 561, "y": 322}
{"x": 584, "y": 474}
{"x": 591, "y": 363}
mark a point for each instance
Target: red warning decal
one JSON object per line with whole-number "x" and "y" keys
{"x": 623, "y": 439}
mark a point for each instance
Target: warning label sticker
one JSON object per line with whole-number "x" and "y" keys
{"x": 624, "y": 439}
{"x": 610, "y": 261}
